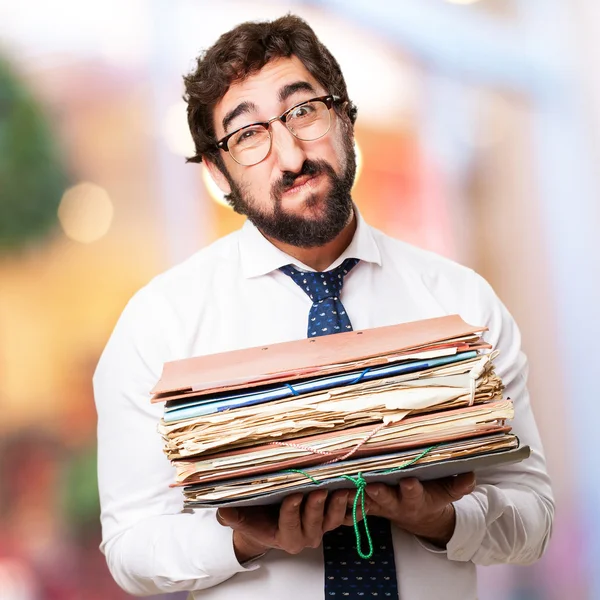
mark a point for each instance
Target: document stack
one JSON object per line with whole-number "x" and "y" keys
{"x": 418, "y": 399}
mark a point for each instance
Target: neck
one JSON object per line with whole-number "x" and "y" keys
{"x": 320, "y": 257}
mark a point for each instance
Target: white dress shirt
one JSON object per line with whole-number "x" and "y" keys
{"x": 231, "y": 295}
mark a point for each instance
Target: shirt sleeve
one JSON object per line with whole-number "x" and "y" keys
{"x": 151, "y": 545}
{"x": 508, "y": 517}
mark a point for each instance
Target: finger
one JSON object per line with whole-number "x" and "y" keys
{"x": 254, "y": 521}
{"x": 233, "y": 517}
{"x": 241, "y": 518}
{"x": 369, "y": 504}
{"x": 460, "y": 485}
{"x": 361, "y": 506}
{"x": 450, "y": 489}
{"x": 336, "y": 510}
{"x": 349, "y": 516}
{"x": 464, "y": 484}
{"x": 227, "y": 516}
{"x": 290, "y": 524}
{"x": 385, "y": 497}
{"x": 312, "y": 518}
{"x": 411, "y": 490}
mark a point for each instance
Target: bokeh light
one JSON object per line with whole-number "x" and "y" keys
{"x": 85, "y": 212}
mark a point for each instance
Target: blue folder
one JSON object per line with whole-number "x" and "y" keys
{"x": 210, "y": 404}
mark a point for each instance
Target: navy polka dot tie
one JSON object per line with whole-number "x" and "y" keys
{"x": 327, "y": 314}
{"x": 347, "y": 576}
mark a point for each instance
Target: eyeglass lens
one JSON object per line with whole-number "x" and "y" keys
{"x": 307, "y": 122}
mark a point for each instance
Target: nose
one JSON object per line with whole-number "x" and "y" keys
{"x": 286, "y": 148}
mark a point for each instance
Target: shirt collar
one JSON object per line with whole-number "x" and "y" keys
{"x": 258, "y": 256}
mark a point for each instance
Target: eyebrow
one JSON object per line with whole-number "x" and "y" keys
{"x": 241, "y": 109}
{"x": 284, "y": 93}
{"x": 291, "y": 88}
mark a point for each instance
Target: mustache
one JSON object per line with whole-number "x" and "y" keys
{"x": 309, "y": 167}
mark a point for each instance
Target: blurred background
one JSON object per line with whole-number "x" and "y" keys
{"x": 478, "y": 136}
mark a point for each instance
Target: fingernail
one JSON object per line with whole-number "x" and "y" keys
{"x": 409, "y": 486}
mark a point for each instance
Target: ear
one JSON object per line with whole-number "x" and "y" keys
{"x": 217, "y": 176}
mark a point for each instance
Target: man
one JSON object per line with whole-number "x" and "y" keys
{"x": 270, "y": 116}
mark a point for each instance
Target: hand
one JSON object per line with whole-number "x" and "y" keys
{"x": 421, "y": 508}
{"x": 295, "y": 526}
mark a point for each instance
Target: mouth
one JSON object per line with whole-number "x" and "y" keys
{"x": 304, "y": 182}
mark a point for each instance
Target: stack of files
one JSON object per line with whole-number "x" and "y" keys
{"x": 417, "y": 399}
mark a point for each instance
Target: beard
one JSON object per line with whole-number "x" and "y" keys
{"x": 303, "y": 231}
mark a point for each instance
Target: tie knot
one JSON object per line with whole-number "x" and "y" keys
{"x": 321, "y": 285}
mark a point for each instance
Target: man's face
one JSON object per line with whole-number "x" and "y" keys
{"x": 300, "y": 193}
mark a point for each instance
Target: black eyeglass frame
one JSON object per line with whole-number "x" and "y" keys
{"x": 328, "y": 100}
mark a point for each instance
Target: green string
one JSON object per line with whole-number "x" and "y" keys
{"x": 361, "y": 484}
{"x": 315, "y": 481}
{"x": 409, "y": 462}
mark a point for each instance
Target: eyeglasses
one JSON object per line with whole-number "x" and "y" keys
{"x": 307, "y": 121}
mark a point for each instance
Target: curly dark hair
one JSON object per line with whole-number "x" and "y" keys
{"x": 243, "y": 51}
